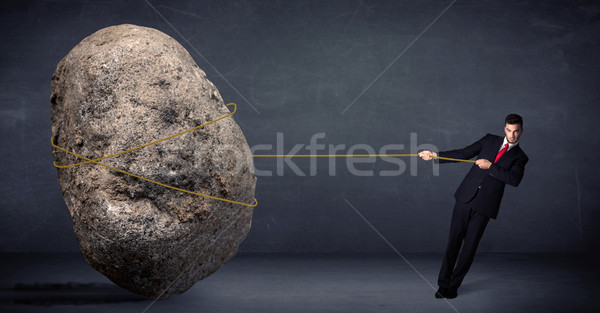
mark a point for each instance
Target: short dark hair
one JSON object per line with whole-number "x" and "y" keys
{"x": 514, "y": 119}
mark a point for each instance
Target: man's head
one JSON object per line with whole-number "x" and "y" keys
{"x": 513, "y": 127}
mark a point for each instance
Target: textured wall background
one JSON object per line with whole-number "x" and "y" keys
{"x": 359, "y": 72}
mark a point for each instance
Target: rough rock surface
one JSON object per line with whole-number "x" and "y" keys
{"x": 125, "y": 86}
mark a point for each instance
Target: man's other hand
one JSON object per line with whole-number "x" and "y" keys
{"x": 483, "y": 164}
{"x": 427, "y": 155}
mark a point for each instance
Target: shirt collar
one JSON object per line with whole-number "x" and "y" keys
{"x": 510, "y": 145}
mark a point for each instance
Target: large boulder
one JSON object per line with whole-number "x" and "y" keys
{"x": 125, "y": 86}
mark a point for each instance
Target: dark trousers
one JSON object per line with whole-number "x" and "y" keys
{"x": 466, "y": 230}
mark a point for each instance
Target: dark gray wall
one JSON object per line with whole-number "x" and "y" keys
{"x": 299, "y": 68}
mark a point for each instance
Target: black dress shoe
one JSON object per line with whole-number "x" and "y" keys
{"x": 451, "y": 294}
{"x": 441, "y": 293}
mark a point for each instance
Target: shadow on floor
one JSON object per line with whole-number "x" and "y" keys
{"x": 473, "y": 286}
{"x": 47, "y": 294}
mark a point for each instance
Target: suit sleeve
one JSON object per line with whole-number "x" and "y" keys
{"x": 510, "y": 176}
{"x": 465, "y": 153}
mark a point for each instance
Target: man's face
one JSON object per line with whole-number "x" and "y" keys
{"x": 513, "y": 132}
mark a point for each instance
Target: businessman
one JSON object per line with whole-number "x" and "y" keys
{"x": 500, "y": 161}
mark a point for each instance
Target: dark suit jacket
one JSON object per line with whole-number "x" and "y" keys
{"x": 508, "y": 170}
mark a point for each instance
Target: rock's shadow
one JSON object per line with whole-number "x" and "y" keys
{"x": 48, "y": 294}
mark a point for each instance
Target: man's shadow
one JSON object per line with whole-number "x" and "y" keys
{"x": 473, "y": 286}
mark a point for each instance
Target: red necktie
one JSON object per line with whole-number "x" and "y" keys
{"x": 501, "y": 152}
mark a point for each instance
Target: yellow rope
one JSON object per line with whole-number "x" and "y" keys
{"x": 145, "y": 145}
{"x": 352, "y": 156}
{"x": 96, "y": 161}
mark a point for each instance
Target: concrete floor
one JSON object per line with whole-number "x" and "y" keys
{"x": 268, "y": 283}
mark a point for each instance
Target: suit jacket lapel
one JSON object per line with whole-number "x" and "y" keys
{"x": 497, "y": 146}
{"x": 509, "y": 154}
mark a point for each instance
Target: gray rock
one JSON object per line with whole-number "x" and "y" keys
{"x": 125, "y": 86}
